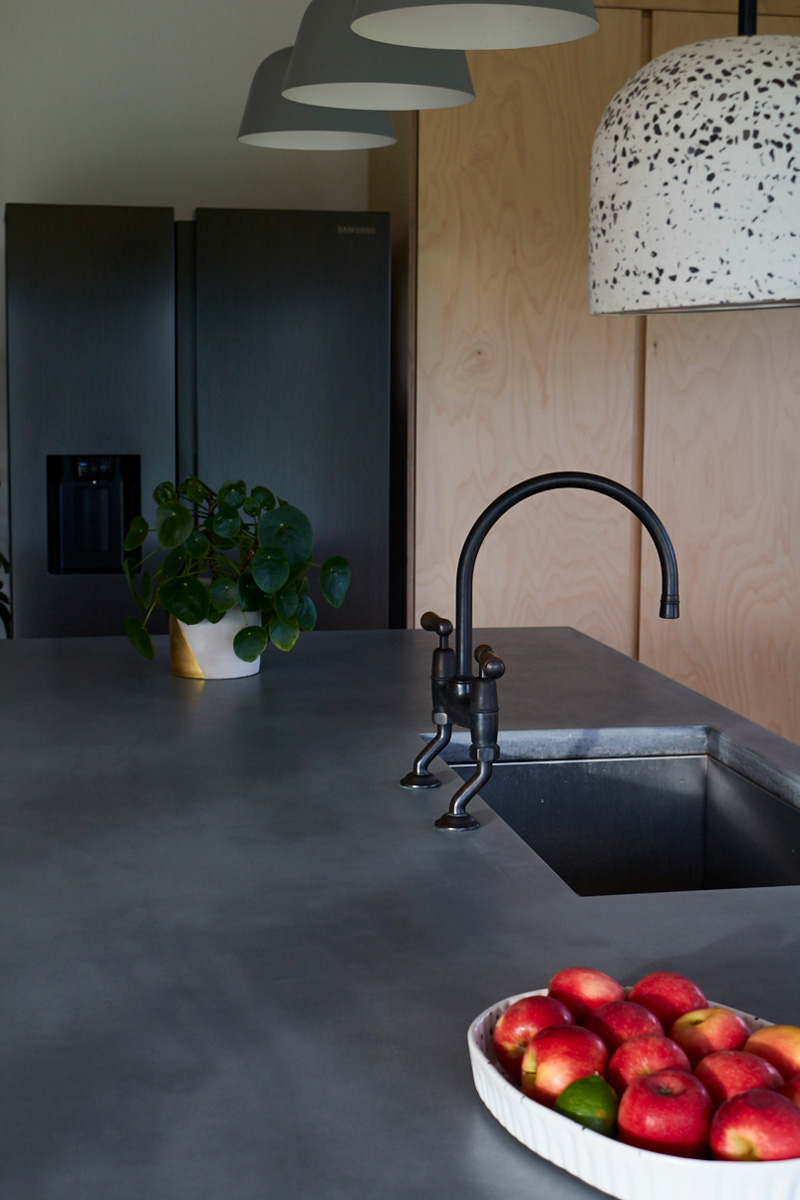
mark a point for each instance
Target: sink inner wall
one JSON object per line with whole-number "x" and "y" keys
{"x": 648, "y": 824}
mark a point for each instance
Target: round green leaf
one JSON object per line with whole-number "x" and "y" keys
{"x": 270, "y": 569}
{"x": 334, "y": 580}
{"x": 227, "y": 521}
{"x": 195, "y": 490}
{"x": 197, "y": 544}
{"x": 232, "y": 493}
{"x": 289, "y": 529}
{"x": 174, "y": 523}
{"x": 248, "y": 593}
{"x": 284, "y": 634}
{"x": 250, "y": 642}
{"x": 130, "y": 566}
{"x": 306, "y": 613}
{"x": 173, "y": 563}
{"x": 215, "y": 615}
{"x": 223, "y": 594}
{"x": 263, "y": 498}
{"x": 139, "y": 637}
{"x": 136, "y": 534}
{"x": 165, "y": 493}
{"x": 286, "y": 601}
{"x": 186, "y": 598}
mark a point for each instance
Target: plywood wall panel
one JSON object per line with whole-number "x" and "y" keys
{"x": 721, "y": 463}
{"x": 721, "y": 459}
{"x": 514, "y": 376}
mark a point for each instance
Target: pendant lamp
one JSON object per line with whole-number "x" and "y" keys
{"x": 474, "y": 24}
{"x": 331, "y": 65}
{"x": 696, "y": 181}
{"x": 271, "y": 121}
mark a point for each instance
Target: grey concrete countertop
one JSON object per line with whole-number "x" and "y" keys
{"x": 238, "y": 960}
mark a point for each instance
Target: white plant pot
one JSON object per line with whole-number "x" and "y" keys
{"x": 205, "y": 651}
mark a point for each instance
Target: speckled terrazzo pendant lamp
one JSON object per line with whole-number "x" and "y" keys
{"x": 273, "y": 123}
{"x": 696, "y": 181}
{"x": 331, "y": 65}
{"x": 474, "y": 24}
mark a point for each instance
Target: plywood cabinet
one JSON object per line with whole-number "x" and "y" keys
{"x": 513, "y": 377}
{"x": 722, "y": 460}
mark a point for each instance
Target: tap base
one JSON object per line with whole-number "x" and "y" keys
{"x": 458, "y": 822}
{"x": 418, "y": 781}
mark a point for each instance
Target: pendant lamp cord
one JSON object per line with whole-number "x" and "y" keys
{"x": 747, "y": 17}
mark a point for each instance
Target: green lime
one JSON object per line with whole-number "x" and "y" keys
{"x": 591, "y": 1102}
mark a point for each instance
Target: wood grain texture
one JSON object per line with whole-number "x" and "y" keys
{"x": 777, "y": 8}
{"x": 514, "y": 376}
{"x": 722, "y": 443}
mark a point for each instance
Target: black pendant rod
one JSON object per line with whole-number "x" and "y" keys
{"x": 747, "y": 17}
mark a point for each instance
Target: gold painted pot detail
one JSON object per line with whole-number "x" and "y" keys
{"x": 205, "y": 650}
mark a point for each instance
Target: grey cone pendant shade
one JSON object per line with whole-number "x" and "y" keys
{"x": 273, "y": 122}
{"x": 474, "y": 24}
{"x": 331, "y": 65}
{"x": 696, "y": 181}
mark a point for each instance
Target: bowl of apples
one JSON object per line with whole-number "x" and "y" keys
{"x": 650, "y": 1090}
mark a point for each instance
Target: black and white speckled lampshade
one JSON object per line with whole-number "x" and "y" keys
{"x": 274, "y": 123}
{"x": 696, "y": 181}
{"x": 332, "y": 65}
{"x": 474, "y": 24}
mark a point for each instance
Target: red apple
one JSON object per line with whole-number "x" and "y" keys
{"x": 558, "y": 1056}
{"x": 759, "y": 1125}
{"x": 520, "y": 1022}
{"x": 725, "y": 1073}
{"x": 706, "y": 1029}
{"x": 792, "y": 1089}
{"x": 668, "y": 1111}
{"x": 778, "y": 1044}
{"x": 668, "y": 995}
{"x": 620, "y": 1020}
{"x": 583, "y": 990}
{"x": 642, "y": 1055}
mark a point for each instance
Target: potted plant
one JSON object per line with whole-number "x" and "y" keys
{"x": 234, "y": 577}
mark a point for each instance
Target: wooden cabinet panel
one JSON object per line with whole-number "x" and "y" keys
{"x": 514, "y": 376}
{"x": 722, "y": 443}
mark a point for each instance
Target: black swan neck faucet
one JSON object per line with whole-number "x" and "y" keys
{"x": 463, "y": 699}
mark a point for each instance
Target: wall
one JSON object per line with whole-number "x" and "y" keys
{"x": 721, "y": 455}
{"x": 514, "y": 378}
{"x": 139, "y": 102}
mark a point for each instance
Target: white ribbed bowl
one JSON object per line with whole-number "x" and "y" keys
{"x": 609, "y": 1165}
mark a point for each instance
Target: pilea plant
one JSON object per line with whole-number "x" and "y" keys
{"x": 224, "y": 549}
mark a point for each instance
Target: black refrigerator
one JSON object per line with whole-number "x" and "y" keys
{"x": 247, "y": 344}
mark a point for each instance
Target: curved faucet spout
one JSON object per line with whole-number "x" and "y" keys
{"x": 546, "y": 483}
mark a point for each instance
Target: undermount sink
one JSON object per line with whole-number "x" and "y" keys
{"x": 661, "y": 823}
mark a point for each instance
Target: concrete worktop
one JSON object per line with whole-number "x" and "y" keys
{"x": 239, "y": 962}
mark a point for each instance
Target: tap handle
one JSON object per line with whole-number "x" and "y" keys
{"x": 491, "y": 666}
{"x": 433, "y": 623}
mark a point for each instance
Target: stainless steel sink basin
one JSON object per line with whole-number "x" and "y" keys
{"x": 647, "y": 824}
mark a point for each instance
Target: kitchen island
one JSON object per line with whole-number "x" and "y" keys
{"x": 239, "y": 961}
